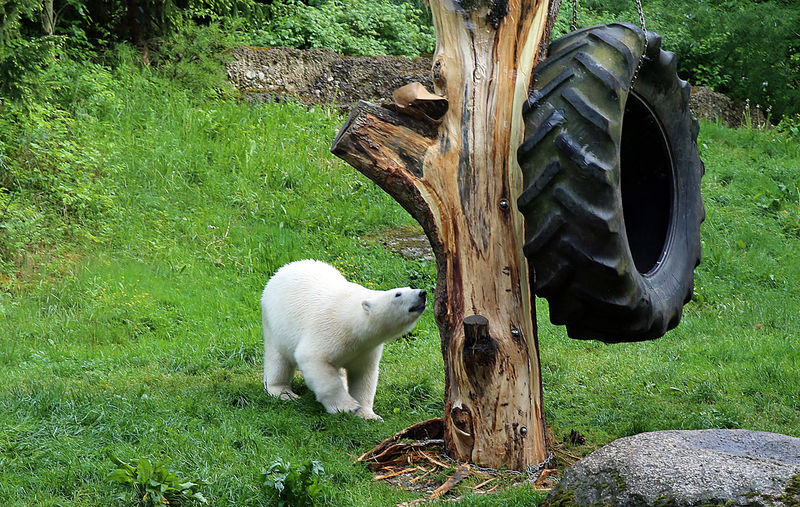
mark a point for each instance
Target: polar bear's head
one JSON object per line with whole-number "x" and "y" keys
{"x": 396, "y": 310}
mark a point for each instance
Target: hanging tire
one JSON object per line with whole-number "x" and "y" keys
{"x": 611, "y": 179}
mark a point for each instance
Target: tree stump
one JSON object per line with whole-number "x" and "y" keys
{"x": 458, "y": 177}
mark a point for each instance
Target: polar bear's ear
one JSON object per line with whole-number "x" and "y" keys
{"x": 366, "y": 305}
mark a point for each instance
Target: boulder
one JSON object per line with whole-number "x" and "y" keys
{"x": 686, "y": 468}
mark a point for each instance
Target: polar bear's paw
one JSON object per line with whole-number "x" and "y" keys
{"x": 282, "y": 392}
{"x": 369, "y": 415}
{"x": 349, "y": 406}
{"x": 288, "y": 395}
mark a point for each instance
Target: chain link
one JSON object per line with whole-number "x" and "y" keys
{"x": 533, "y": 472}
{"x": 644, "y": 50}
{"x": 574, "y": 25}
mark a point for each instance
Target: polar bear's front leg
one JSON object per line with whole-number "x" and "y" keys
{"x": 325, "y": 380}
{"x": 363, "y": 381}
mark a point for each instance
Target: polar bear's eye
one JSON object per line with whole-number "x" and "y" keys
{"x": 397, "y": 295}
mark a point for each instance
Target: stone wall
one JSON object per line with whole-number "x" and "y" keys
{"x": 320, "y": 76}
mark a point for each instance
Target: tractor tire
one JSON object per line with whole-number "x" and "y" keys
{"x": 611, "y": 178}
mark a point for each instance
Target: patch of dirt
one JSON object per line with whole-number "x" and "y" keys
{"x": 707, "y": 104}
{"x": 410, "y": 242}
{"x": 320, "y": 76}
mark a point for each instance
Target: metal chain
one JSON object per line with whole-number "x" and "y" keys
{"x": 644, "y": 49}
{"x": 574, "y": 25}
{"x": 533, "y": 472}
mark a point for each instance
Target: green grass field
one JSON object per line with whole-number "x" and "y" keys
{"x": 139, "y": 334}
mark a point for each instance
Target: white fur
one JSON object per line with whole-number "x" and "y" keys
{"x": 334, "y": 331}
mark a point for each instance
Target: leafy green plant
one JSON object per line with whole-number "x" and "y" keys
{"x": 23, "y": 66}
{"x": 790, "y": 125}
{"x": 356, "y": 27}
{"x": 153, "y": 483}
{"x": 717, "y": 45}
{"x": 194, "y": 56}
{"x": 51, "y": 182}
{"x": 294, "y": 486}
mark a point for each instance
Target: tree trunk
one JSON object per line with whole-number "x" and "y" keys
{"x": 459, "y": 178}
{"x": 48, "y": 17}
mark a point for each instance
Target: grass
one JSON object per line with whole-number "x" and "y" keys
{"x": 146, "y": 342}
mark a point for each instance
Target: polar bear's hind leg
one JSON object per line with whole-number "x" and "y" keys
{"x": 278, "y": 373}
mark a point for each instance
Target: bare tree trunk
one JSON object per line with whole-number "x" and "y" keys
{"x": 459, "y": 178}
{"x": 48, "y": 17}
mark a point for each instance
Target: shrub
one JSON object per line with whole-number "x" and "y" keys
{"x": 194, "y": 55}
{"x": 23, "y": 68}
{"x": 295, "y": 486}
{"x": 153, "y": 483}
{"x": 745, "y": 49}
{"x": 50, "y": 182}
{"x": 356, "y": 27}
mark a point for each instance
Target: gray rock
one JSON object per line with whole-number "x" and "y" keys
{"x": 686, "y": 468}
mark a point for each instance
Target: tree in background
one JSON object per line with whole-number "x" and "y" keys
{"x": 748, "y": 49}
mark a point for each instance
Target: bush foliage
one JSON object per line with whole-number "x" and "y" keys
{"x": 352, "y": 27}
{"x": 746, "y": 49}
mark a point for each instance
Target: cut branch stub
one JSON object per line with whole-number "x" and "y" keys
{"x": 459, "y": 179}
{"x": 480, "y": 352}
{"x": 414, "y": 97}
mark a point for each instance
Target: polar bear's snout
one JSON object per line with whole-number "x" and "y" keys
{"x": 420, "y": 306}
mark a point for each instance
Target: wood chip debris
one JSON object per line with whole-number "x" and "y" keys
{"x": 462, "y": 472}
{"x": 415, "y": 459}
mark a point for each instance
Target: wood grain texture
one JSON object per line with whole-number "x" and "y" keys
{"x": 460, "y": 181}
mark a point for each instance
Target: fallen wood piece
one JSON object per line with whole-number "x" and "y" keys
{"x": 395, "y": 473}
{"x": 484, "y": 483}
{"x": 425, "y": 430}
{"x": 460, "y": 474}
{"x": 434, "y": 461}
{"x": 543, "y": 477}
{"x": 378, "y": 466}
{"x": 420, "y": 477}
{"x": 404, "y": 447}
{"x": 565, "y": 453}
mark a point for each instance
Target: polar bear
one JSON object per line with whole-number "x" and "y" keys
{"x": 333, "y": 331}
